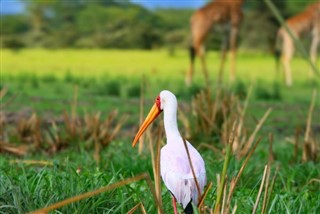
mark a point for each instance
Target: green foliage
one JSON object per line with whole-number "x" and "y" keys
{"x": 134, "y": 90}
{"x": 49, "y": 78}
{"x": 110, "y": 87}
{"x": 262, "y": 92}
{"x": 122, "y": 24}
{"x": 14, "y": 24}
{"x": 240, "y": 89}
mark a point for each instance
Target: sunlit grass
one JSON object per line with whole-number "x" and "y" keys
{"x": 135, "y": 63}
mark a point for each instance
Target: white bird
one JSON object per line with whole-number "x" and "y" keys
{"x": 175, "y": 168}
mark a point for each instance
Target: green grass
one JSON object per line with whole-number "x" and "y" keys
{"x": 26, "y": 188}
{"x": 43, "y": 81}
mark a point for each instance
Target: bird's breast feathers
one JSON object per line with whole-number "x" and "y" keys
{"x": 177, "y": 175}
{"x": 176, "y": 160}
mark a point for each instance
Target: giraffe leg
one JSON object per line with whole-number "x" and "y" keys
{"x": 201, "y": 54}
{"x": 189, "y": 74}
{"x": 174, "y": 202}
{"x": 313, "y": 49}
{"x": 288, "y": 50}
{"x": 223, "y": 58}
{"x": 233, "y": 44}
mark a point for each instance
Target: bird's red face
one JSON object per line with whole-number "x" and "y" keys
{"x": 153, "y": 114}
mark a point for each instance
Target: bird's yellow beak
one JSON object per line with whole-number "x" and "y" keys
{"x": 153, "y": 114}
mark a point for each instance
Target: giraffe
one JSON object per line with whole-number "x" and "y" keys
{"x": 308, "y": 21}
{"x": 218, "y": 12}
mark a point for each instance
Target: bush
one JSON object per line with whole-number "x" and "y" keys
{"x": 133, "y": 90}
{"x": 50, "y": 78}
{"x": 68, "y": 77}
{"x": 240, "y": 89}
{"x": 112, "y": 88}
{"x": 262, "y": 93}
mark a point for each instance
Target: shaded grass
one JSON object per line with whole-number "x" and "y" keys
{"x": 27, "y": 188}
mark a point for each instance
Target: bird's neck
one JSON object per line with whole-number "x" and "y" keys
{"x": 170, "y": 124}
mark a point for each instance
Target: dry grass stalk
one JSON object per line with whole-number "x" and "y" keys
{"x": 74, "y": 103}
{"x": 72, "y": 122}
{"x": 142, "y": 89}
{"x": 3, "y": 93}
{"x": 101, "y": 133}
{"x": 156, "y": 165}
{"x": 211, "y": 147}
{"x": 310, "y": 150}
{"x": 208, "y": 112}
{"x": 270, "y": 190}
{"x": 204, "y": 195}
{"x": 72, "y": 126}
{"x": 234, "y": 209}
{"x": 237, "y": 142}
{"x": 97, "y": 149}
{"x": 271, "y": 154}
{"x": 3, "y": 131}
{"x": 20, "y": 150}
{"x": 29, "y": 130}
{"x": 234, "y": 181}
{"x": 33, "y": 162}
{"x": 133, "y": 209}
{"x": 254, "y": 210}
{"x": 221, "y": 184}
{"x": 55, "y": 138}
{"x": 185, "y": 123}
{"x": 202, "y": 111}
{"x": 313, "y": 180}
{"x": 139, "y": 205}
{"x": 213, "y": 117}
{"x": 192, "y": 169}
{"x": 224, "y": 196}
{"x": 52, "y": 207}
{"x": 296, "y": 144}
{"x": 247, "y": 146}
{"x": 270, "y": 160}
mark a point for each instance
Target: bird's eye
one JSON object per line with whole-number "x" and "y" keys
{"x": 158, "y": 102}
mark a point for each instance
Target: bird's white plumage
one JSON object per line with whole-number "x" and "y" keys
{"x": 174, "y": 164}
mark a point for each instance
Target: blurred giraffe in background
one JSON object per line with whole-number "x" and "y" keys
{"x": 307, "y": 21}
{"x": 218, "y": 12}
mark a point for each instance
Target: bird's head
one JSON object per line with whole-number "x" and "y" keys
{"x": 161, "y": 103}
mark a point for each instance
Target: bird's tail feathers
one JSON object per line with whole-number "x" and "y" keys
{"x": 189, "y": 208}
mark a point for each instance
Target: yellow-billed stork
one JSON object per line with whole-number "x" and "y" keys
{"x": 175, "y": 168}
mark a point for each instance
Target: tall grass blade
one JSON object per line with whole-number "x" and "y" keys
{"x": 253, "y": 135}
{"x": 260, "y": 190}
{"x": 234, "y": 181}
{"x": 270, "y": 160}
{"x": 142, "y": 89}
{"x": 224, "y": 171}
{"x": 92, "y": 193}
{"x": 192, "y": 169}
{"x": 309, "y": 146}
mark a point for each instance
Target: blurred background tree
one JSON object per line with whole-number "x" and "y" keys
{"x": 122, "y": 24}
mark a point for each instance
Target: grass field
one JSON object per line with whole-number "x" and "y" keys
{"x": 45, "y": 81}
